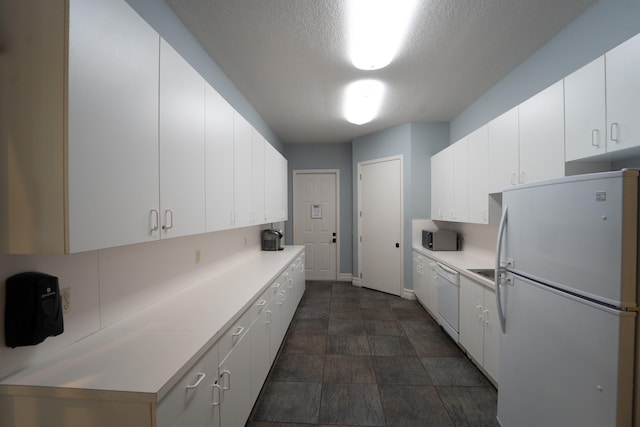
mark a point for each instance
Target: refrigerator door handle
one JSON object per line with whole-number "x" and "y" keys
{"x": 499, "y": 268}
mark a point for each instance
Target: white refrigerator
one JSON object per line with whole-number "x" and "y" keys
{"x": 567, "y": 260}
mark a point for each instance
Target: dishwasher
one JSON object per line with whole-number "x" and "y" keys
{"x": 448, "y": 285}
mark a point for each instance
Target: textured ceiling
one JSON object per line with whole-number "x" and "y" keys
{"x": 288, "y": 57}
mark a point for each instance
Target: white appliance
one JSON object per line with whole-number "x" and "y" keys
{"x": 448, "y": 284}
{"x": 566, "y": 264}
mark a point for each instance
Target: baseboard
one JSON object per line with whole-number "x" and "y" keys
{"x": 408, "y": 294}
{"x": 344, "y": 277}
{"x": 355, "y": 281}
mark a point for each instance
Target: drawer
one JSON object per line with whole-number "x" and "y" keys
{"x": 260, "y": 304}
{"x": 234, "y": 334}
{"x": 278, "y": 285}
{"x": 184, "y": 396}
{"x": 472, "y": 287}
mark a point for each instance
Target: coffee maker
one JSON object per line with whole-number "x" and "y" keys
{"x": 272, "y": 240}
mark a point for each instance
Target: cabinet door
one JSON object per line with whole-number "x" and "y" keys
{"x": 284, "y": 188}
{"x": 192, "y": 401}
{"x": 241, "y": 170}
{"x": 472, "y": 324}
{"x": 274, "y": 316}
{"x": 542, "y": 135}
{"x": 275, "y": 185}
{"x": 418, "y": 283}
{"x": 112, "y": 126}
{"x": 257, "y": 178}
{"x": 503, "y": 151}
{"x": 479, "y": 176}
{"x": 219, "y": 161}
{"x": 182, "y": 142}
{"x": 235, "y": 380}
{"x": 491, "y": 335}
{"x": 460, "y": 205}
{"x": 442, "y": 184}
{"x": 623, "y": 95}
{"x": 259, "y": 334}
{"x": 584, "y": 112}
{"x": 432, "y": 289}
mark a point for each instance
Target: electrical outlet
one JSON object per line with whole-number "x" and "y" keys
{"x": 65, "y": 297}
{"x": 197, "y": 256}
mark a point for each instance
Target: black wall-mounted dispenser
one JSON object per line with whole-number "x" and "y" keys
{"x": 33, "y": 310}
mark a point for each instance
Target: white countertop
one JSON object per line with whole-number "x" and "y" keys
{"x": 150, "y": 351}
{"x": 461, "y": 261}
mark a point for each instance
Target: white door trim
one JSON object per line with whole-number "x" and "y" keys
{"x": 357, "y": 280}
{"x": 336, "y": 172}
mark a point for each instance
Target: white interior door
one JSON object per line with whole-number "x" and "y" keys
{"x": 315, "y": 221}
{"x": 380, "y": 220}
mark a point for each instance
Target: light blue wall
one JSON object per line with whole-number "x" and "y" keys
{"x": 421, "y": 140}
{"x": 325, "y": 156}
{"x": 160, "y": 16}
{"x": 601, "y": 27}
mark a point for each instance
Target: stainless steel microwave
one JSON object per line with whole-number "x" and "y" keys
{"x": 441, "y": 240}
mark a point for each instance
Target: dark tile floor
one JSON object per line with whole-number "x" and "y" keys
{"x": 357, "y": 357}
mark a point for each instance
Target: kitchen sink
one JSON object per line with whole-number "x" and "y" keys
{"x": 487, "y": 273}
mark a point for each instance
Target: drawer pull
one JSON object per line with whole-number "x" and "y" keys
{"x": 215, "y": 387}
{"x": 198, "y": 381}
{"x": 290, "y": 283}
{"x": 238, "y": 332}
{"x": 228, "y": 384}
{"x": 261, "y": 303}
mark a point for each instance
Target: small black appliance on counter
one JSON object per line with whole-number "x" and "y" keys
{"x": 33, "y": 310}
{"x": 441, "y": 240}
{"x": 272, "y": 240}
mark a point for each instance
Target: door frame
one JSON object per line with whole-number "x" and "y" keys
{"x": 358, "y": 280}
{"x": 336, "y": 172}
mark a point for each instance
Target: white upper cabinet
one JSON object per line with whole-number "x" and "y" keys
{"x": 275, "y": 194}
{"x": 241, "y": 170}
{"x": 585, "y": 109}
{"x": 460, "y": 208}
{"x": 623, "y": 95}
{"x": 219, "y": 161}
{"x": 442, "y": 184}
{"x": 257, "y": 214}
{"x": 479, "y": 176}
{"x": 542, "y": 135}
{"x": 112, "y": 126}
{"x": 503, "y": 151}
{"x": 182, "y": 142}
{"x": 602, "y": 104}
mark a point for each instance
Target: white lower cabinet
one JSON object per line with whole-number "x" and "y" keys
{"x": 195, "y": 400}
{"x": 235, "y": 380}
{"x": 424, "y": 284}
{"x": 479, "y": 326}
{"x": 260, "y": 335}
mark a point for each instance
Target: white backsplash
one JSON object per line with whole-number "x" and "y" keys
{"x": 479, "y": 239}
{"x": 111, "y": 284}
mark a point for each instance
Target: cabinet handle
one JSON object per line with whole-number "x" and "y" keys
{"x": 479, "y": 312}
{"x": 290, "y": 283}
{"x": 281, "y": 297}
{"x": 268, "y": 316}
{"x": 238, "y": 332}
{"x": 486, "y": 316}
{"x": 155, "y": 220}
{"x": 513, "y": 178}
{"x": 485, "y": 214}
{"x": 168, "y": 219}
{"x": 228, "y": 385}
{"x": 276, "y": 285}
{"x": 614, "y": 135}
{"x": 215, "y": 387}
{"x": 595, "y": 138}
{"x": 261, "y": 303}
{"x": 300, "y": 268}
{"x": 201, "y": 376}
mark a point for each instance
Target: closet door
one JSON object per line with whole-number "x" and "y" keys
{"x": 112, "y": 126}
{"x": 182, "y": 142}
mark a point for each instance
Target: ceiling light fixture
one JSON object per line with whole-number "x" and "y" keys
{"x": 377, "y": 29}
{"x": 362, "y": 100}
